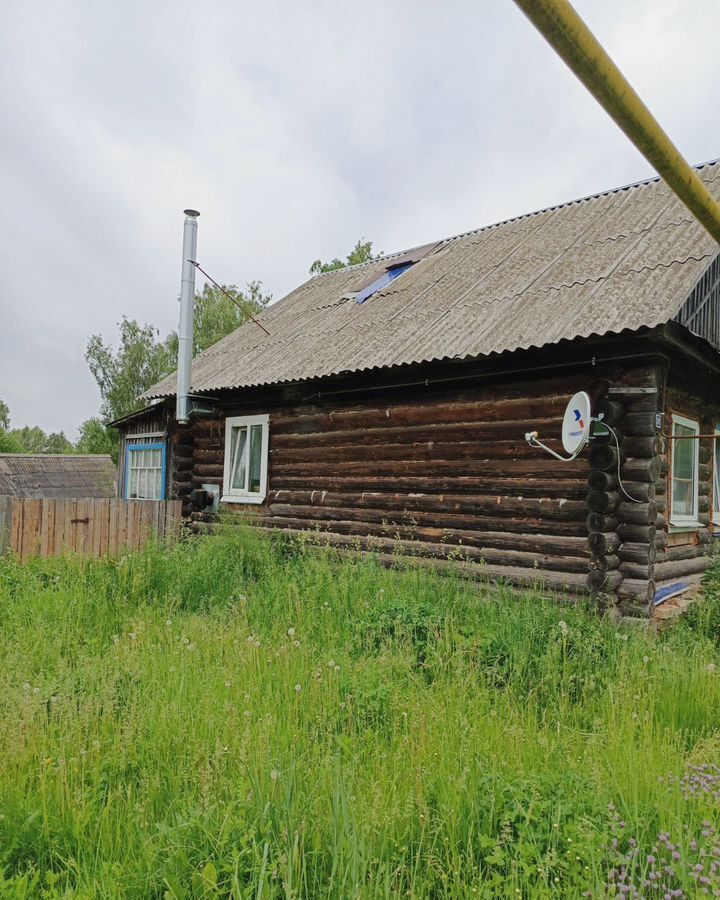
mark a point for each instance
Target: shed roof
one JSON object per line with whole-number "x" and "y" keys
{"x": 622, "y": 259}
{"x": 56, "y": 477}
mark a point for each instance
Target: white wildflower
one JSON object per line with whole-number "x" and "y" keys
{"x": 291, "y": 631}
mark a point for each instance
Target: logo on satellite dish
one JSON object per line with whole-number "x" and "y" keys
{"x": 578, "y": 421}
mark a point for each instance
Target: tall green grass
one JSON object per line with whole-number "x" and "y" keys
{"x": 234, "y": 717}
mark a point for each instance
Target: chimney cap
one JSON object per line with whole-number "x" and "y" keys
{"x": 193, "y": 213}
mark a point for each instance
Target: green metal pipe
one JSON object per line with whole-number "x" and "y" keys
{"x": 570, "y": 37}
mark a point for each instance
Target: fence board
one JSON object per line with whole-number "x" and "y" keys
{"x": 93, "y": 527}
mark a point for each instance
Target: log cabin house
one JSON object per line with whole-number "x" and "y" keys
{"x": 387, "y": 407}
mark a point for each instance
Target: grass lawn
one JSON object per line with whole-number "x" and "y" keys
{"x": 239, "y": 718}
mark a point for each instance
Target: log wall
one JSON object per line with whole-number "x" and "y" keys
{"x": 439, "y": 473}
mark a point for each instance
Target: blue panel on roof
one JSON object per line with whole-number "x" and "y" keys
{"x": 381, "y": 282}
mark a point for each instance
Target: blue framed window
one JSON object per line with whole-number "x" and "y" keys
{"x": 145, "y": 472}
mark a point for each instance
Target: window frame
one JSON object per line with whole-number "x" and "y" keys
{"x": 685, "y": 521}
{"x": 230, "y": 495}
{"x": 135, "y": 448}
{"x": 716, "y": 475}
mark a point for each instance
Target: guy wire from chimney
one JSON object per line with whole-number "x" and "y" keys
{"x": 229, "y": 296}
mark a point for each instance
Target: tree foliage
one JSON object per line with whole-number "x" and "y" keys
{"x": 360, "y": 253}
{"x": 4, "y": 415}
{"x": 96, "y": 438}
{"x": 139, "y": 361}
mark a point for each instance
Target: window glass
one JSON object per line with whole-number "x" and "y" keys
{"x": 238, "y": 466}
{"x": 255, "y": 458}
{"x": 684, "y": 471}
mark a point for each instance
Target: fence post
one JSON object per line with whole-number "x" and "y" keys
{"x": 5, "y": 524}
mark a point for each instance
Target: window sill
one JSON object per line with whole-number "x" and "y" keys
{"x": 678, "y": 527}
{"x": 250, "y": 498}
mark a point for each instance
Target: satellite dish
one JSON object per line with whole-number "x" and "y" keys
{"x": 576, "y": 423}
{"x": 575, "y": 428}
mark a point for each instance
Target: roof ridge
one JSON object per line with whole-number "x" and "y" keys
{"x": 442, "y": 242}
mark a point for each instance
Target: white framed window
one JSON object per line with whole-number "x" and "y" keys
{"x": 716, "y": 475}
{"x": 684, "y": 474}
{"x": 145, "y": 476}
{"x": 246, "y": 459}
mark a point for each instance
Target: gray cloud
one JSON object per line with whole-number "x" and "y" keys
{"x": 295, "y": 129}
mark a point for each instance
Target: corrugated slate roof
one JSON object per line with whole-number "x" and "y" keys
{"x": 56, "y": 477}
{"x": 618, "y": 260}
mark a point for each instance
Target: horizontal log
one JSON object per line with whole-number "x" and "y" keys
{"x": 603, "y": 457}
{"x": 203, "y": 442}
{"x": 599, "y": 480}
{"x": 637, "y": 590}
{"x": 637, "y": 403}
{"x": 207, "y": 455}
{"x": 179, "y": 477}
{"x": 679, "y": 568}
{"x": 643, "y": 447}
{"x": 541, "y": 491}
{"x": 182, "y": 465}
{"x": 430, "y": 449}
{"x": 597, "y": 521}
{"x": 603, "y": 542}
{"x": 603, "y": 563}
{"x": 640, "y": 534}
{"x": 182, "y": 452}
{"x": 408, "y": 465}
{"x": 465, "y": 431}
{"x": 199, "y": 480}
{"x": 637, "y": 513}
{"x": 422, "y": 412}
{"x": 529, "y": 508}
{"x": 638, "y": 571}
{"x": 638, "y": 490}
{"x": 211, "y": 470}
{"x": 639, "y": 469}
{"x": 208, "y": 427}
{"x": 602, "y": 501}
{"x": 611, "y": 411}
{"x": 637, "y": 552}
{"x": 639, "y": 424}
{"x": 603, "y": 582}
{"x": 469, "y": 527}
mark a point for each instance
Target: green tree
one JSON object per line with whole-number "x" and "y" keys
{"x": 123, "y": 373}
{"x": 4, "y": 415}
{"x": 96, "y": 438}
{"x": 360, "y": 253}
{"x": 8, "y": 442}
{"x": 30, "y": 439}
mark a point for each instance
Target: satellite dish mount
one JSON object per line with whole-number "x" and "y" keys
{"x": 575, "y": 428}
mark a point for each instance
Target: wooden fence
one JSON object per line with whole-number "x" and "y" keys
{"x": 89, "y": 527}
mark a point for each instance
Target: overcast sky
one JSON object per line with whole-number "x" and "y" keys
{"x": 294, "y": 128}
